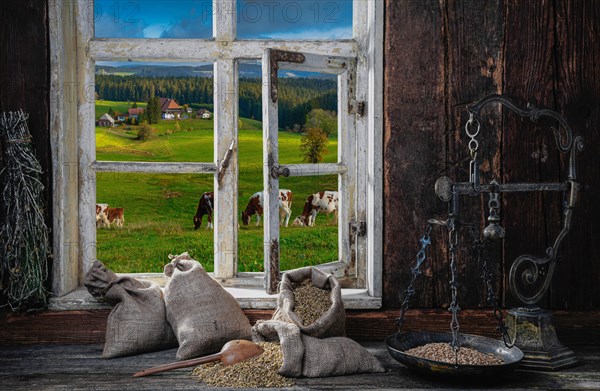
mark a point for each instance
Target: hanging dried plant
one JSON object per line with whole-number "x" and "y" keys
{"x": 24, "y": 246}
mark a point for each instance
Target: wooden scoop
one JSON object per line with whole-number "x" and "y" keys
{"x": 232, "y": 352}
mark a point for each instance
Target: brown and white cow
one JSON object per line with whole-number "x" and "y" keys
{"x": 112, "y": 217}
{"x": 324, "y": 202}
{"x": 205, "y": 207}
{"x": 255, "y": 207}
{"x": 100, "y": 213}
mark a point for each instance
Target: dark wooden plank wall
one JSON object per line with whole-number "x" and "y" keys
{"x": 441, "y": 56}
{"x": 25, "y": 76}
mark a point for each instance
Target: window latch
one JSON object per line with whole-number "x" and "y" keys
{"x": 225, "y": 162}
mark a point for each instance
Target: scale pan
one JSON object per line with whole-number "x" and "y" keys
{"x": 399, "y": 343}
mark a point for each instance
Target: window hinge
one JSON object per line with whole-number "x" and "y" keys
{"x": 358, "y": 107}
{"x": 358, "y": 228}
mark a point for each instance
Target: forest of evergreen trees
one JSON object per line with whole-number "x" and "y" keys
{"x": 297, "y": 96}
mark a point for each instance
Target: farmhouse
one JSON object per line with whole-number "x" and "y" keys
{"x": 135, "y": 113}
{"x": 106, "y": 120}
{"x": 424, "y": 196}
{"x": 204, "y": 114}
{"x": 170, "y": 109}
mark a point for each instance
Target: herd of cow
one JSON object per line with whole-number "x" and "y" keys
{"x": 322, "y": 202}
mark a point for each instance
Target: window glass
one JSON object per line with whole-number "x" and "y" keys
{"x": 153, "y": 18}
{"x": 180, "y": 125}
{"x": 157, "y": 219}
{"x": 294, "y": 19}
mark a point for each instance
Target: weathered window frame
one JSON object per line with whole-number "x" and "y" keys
{"x": 74, "y": 51}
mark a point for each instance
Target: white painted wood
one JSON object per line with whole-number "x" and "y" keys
{"x": 347, "y": 181}
{"x": 63, "y": 143}
{"x": 154, "y": 167}
{"x": 361, "y": 34}
{"x": 247, "y": 298}
{"x": 334, "y": 65}
{"x": 87, "y": 140}
{"x": 226, "y": 191}
{"x": 375, "y": 149}
{"x": 173, "y": 50}
{"x": 224, "y": 20}
{"x": 270, "y": 184}
{"x": 316, "y": 169}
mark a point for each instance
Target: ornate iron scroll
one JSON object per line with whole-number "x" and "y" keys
{"x": 527, "y": 270}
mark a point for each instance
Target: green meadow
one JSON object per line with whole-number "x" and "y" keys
{"x": 159, "y": 208}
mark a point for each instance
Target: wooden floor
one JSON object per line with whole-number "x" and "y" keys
{"x": 79, "y": 367}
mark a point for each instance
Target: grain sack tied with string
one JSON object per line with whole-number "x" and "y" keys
{"x": 138, "y": 322}
{"x": 312, "y": 300}
{"x": 306, "y": 356}
{"x": 203, "y": 315}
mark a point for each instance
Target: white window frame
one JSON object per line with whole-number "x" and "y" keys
{"x": 74, "y": 51}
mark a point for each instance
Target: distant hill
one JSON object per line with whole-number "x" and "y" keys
{"x": 206, "y": 70}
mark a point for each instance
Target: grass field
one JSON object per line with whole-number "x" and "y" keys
{"x": 159, "y": 208}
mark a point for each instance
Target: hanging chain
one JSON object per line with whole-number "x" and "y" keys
{"x": 416, "y": 271}
{"x": 472, "y": 128}
{"x": 454, "y": 308}
{"x": 480, "y": 247}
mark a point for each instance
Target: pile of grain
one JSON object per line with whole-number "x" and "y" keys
{"x": 443, "y": 352}
{"x": 311, "y": 302}
{"x": 256, "y": 372}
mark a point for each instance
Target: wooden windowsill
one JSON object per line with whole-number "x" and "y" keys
{"x": 249, "y": 297}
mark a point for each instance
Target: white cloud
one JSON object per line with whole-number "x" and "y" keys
{"x": 155, "y": 30}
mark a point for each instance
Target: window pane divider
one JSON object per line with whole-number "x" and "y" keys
{"x": 140, "y": 49}
{"x": 155, "y": 167}
{"x": 315, "y": 169}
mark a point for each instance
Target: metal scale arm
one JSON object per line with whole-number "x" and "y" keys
{"x": 526, "y": 268}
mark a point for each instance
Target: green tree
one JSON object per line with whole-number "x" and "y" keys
{"x": 313, "y": 145}
{"x": 134, "y": 105}
{"x": 145, "y": 131}
{"x": 322, "y": 119}
{"x": 111, "y": 112}
{"x": 153, "y": 110}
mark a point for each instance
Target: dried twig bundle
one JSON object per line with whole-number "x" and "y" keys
{"x": 24, "y": 246}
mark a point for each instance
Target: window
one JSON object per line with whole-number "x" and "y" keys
{"x": 356, "y": 63}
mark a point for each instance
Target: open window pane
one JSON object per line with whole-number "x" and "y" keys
{"x": 180, "y": 126}
{"x": 292, "y": 19}
{"x": 153, "y": 18}
{"x": 157, "y": 219}
{"x": 302, "y": 245}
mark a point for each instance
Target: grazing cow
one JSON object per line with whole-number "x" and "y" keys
{"x": 324, "y": 201}
{"x": 205, "y": 207}
{"x": 113, "y": 216}
{"x": 100, "y": 211}
{"x": 255, "y": 206}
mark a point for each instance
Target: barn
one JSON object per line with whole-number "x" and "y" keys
{"x": 409, "y": 73}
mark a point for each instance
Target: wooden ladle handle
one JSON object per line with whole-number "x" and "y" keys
{"x": 181, "y": 364}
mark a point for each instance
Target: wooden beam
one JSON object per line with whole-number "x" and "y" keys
{"x": 82, "y": 327}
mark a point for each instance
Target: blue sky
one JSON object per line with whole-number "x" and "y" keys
{"x": 279, "y": 19}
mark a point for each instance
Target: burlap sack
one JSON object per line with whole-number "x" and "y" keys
{"x": 313, "y": 357}
{"x": 332, "y": 323}
{"x": 203, "y": 315}
{"x": 138, "y": 323}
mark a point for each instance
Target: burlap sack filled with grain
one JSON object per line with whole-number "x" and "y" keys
{"x": 329, "y": 321}
{"x": 313, "y": 357}
{"x": 204, "y": 316}
{"x": 138, "y": 322}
